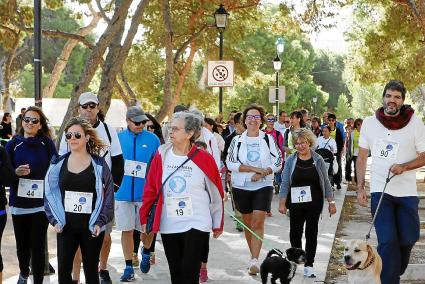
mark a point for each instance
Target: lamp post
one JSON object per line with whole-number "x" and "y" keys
{"x": 220, "y": 16}
{"x": 37, "y": 52}
{"x": 314, "y": 104}
{"x": 277, "y": 64}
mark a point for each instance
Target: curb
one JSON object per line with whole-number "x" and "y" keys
{"x": 414, "y": 272}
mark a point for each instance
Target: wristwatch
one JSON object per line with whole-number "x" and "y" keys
{"x": 332, "y": 202}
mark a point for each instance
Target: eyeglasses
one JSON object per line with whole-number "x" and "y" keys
{"x": 69, "y": 135}
{"x": 91, "y": 105}
{"x": 300, "y": 144}
{"x": 33, "y": 120}
{"x": 270, "y": 120}
{"x": 253, "y": 117}
{"x": 331, "y": 120}
{"x": 150, "y": 126}
{"x": 174, "y": 129}
{"x": 140, "y": 122}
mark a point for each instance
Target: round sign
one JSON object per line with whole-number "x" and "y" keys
{"x": 220, "y": 73}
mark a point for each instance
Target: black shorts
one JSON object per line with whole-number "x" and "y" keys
{"x": 247, "y": 201}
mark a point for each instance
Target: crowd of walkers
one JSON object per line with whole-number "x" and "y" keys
{"x": 168, "y": 182}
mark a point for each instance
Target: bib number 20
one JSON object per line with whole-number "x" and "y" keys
{"x": 77, "y": 208}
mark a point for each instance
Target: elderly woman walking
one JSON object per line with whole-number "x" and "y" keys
{"x": 185, "y": 182}
{"x": 305, "y": 184}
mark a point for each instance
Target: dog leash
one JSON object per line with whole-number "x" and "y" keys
{"x": 379, "y": 203}
{"x": 266, "y": 244}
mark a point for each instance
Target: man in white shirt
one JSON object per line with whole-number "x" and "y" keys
{"x": 396, "y": 138}
{"x": 280, "y": 124}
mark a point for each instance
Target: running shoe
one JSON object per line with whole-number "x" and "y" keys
{"x": 253, "y": 267}
{"x": 309, "y": 272}
{"x": 22, "y": 279}
{"x": 145, "y": 265}
{"x": 203, "y": 275}
{"x": 104, "y": 277}
{"x": 128, "y": 275}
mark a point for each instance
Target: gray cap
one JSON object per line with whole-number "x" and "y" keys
{"x": 88, "y": 97}
{"x": 136, "y": 114}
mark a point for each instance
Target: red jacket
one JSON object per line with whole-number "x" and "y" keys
{"x": 154, "y": 181}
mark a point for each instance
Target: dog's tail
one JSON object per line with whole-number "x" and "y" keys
{"x": 277, "y": 252}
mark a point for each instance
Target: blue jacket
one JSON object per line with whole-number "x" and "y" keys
{"x": 35, "y": 151}
{"x": 103, "y": 212}
{"x": 137, "y": 147}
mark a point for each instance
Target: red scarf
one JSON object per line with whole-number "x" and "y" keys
{"x": 395, "y": 122}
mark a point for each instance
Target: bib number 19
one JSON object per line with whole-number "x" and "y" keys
{"x": 179, "y": 212}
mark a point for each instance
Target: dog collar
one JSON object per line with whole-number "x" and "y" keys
{"x": 372, "y": 260}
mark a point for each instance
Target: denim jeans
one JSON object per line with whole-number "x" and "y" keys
{"x": 397, "y": 229}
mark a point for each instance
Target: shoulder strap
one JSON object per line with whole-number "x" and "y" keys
{"x": 266, "y": 138}
{"x": 237, "y": 150}
{"x": 108, "y": 133}
{"x": 182, "y": 164}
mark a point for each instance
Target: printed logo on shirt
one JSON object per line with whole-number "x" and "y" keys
{"x": 82, "y": 200}
{"x": 34, "y": 186}
{"x": 177, "y": 184}
{"x": 253, "y": 156}
{"x": 182, "y": 204}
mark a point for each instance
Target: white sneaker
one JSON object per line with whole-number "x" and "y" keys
{"x": 308, "y": 272}
{"x": 253, "y": 267}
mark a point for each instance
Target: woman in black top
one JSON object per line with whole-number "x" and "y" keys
{"x": 6, "y": 129}
{"x": 337, "y": 135}
{"x": 81, "y": 180}
{"x": 304, "y": 187}
{"x": 7, "y": 176}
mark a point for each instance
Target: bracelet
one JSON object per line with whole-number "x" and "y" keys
{"x": 332, "y": 202}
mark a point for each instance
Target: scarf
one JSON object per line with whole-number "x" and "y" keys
{"x": 395, "y": 122}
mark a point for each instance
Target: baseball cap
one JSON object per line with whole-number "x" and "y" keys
{"x": 136, "y": 114}
{"x": 88, "y": 97}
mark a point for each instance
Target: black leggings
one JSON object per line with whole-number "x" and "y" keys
{"x": 3, "y": 219}
{"x": 206, "y": 251}
{"x": 30, "y": 234}
{"x": 68, "y": 242}
{"x": 136, "y": 240}
{"x": 348, "y": 170}
{"x": 310, "y": 216}
{"x": 184, "y": 252}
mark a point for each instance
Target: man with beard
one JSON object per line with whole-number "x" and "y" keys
{"x": 396, "y": 138}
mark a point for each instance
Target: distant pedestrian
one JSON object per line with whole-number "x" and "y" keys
{"x": 6, "y": 128}
{"x": 353, "y": 150}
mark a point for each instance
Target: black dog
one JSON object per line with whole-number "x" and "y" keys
{"x": 279, "y": 267}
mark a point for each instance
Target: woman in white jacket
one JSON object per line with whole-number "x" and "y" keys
{"x": 253, "y": 159}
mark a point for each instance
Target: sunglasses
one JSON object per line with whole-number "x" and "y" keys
{"x": 91, "y": 105}
{"x": 33, "y": 120}
{"x": 69, "y": 135}
{"x": 253, "y": 117}
{"x": 140, "y": 122}
{"x": 150, "y": 126}
{"x": 270, "y": 120}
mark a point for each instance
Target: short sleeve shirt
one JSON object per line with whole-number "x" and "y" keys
{"x": 389, "y": 147}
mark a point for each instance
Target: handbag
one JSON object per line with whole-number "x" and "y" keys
{"x": 147, "y": 237}
{"x": 335, "y": 166}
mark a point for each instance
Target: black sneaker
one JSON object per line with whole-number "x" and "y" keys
{"x": 104, "y": 277}
{"x": 338, "y": 186}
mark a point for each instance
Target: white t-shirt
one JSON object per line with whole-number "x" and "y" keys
{"x": 390, "y": 147}
{"x": 186, "y": 201}
{"x": 280, "y": 127}
{"x": 329, "y": 144}
{"x": 253, "y": 158}
{"x": 212, "y": 145}
{"x": 113, "y": 148}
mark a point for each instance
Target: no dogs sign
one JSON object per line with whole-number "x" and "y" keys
{"x": 220, "y": 73}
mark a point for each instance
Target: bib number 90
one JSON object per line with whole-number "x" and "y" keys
{"x": 384, "y": 153}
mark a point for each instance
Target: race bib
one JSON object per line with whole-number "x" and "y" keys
{"x": 179, "y": 206}
{"x": 135, "y": 169}
{"x": 385, "y": 149}
{"x": 30, "y": 188}
{"x": 300, "y": 194}
{"x": 78, "y": 202}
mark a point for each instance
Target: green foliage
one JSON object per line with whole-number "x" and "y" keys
{"x": 343, "y": 109}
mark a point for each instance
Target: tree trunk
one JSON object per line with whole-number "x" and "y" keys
{"x": 62, "y": 61}
{"x": 95, "y": 58}
{"x": 167, "y": 104}
{"x": 116, "y": 57}
{"x": 7, "y": 73}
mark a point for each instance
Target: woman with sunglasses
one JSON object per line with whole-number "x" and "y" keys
{"x": 253, "y": 159}
{"x": 79, "y": 200}
{"x": 353, "y": 150}
{"x": 153, "y": 126}
{"x": 30, "y": 153}
{"x": 185, "y": 182}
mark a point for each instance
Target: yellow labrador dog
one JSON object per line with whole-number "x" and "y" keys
{"x": 363, "y": 263}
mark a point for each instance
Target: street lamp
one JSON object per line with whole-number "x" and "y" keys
{"x": 314, "y": 104}
{"x": 220, "y": 16}
{"x": 37, "y": 52}
{"x": 277, "y": 65}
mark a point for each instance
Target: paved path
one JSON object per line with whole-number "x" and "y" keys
{"x": 228, "y": 258}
